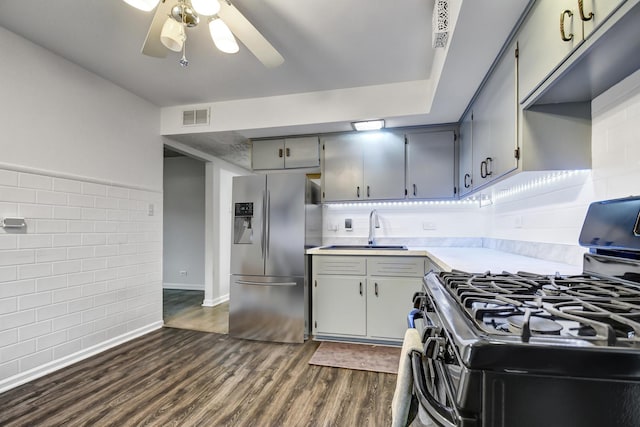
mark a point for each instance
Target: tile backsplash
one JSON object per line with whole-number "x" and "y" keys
{"x": 85, "y": 270}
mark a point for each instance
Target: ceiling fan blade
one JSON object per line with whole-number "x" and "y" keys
{"x": 249, "y": 35}
{"x": 152, "y": 45}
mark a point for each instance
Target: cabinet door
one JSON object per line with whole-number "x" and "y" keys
{"x": 339, "y": 305}
{"x": 388, "y": 303}
{"x": 383, "y": 165}
{"x": 465, "y": 155}
{"x": 541, "y": 46}
{"x": 430, "y": 165}
{"x": 268, "y": 154}
{"x": 597, "y": 11}
{"x": 495, "y": 123}
{"x": 342, "y": 168}
{"x": 301, "y": 152}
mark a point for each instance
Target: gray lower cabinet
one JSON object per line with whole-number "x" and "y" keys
{"x": 364, "y": 298}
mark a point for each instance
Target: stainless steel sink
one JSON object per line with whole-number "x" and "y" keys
{"x": 366, "y": 247}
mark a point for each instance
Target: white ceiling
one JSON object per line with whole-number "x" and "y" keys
{"x": 327, "y": 45}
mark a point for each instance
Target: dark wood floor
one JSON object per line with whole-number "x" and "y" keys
{"x": 175, "y": 377}
{"x": 183, "y": 309}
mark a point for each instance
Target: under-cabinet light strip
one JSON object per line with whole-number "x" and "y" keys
{"x": 543, "y": 181}
{"x": 466, "y": 202}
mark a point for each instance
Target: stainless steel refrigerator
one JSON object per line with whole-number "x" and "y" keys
{"x": 275, "y": 218}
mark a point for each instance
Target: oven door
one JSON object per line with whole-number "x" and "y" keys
{"x": 436, "y": 373}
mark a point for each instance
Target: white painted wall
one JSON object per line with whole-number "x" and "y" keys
{"x": 183, "y": 225}
{"x": 59, "y": 117}
{"x": 81, "y": 161}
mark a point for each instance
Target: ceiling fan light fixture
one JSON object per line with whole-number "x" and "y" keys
{"x": 146, "y": 5}
{"x": 222, "y": 36}
{"x": 206, "y": 7}
{"x": 172, "y": 35}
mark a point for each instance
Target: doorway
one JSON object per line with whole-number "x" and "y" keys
{"x": 184, "y": 247}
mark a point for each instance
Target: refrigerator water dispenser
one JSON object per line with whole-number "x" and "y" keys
{"x": 242, "y": 230}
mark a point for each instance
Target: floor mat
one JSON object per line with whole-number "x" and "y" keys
{"x": 361, "y": 357}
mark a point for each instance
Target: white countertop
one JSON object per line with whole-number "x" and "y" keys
{"x": 473, "y": 260}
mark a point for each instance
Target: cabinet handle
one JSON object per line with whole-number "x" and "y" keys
{"x": 467, "y": 184}
{"x": 581, "y": 9}
{"x": 489, "y": 166}
{"x": 358, "y": 192}
{"x": 562, "y": 33}
{"x": 288, "y": 152}
{"x": 376, "y": 288}
{"x": 279, "y": 152}
{"x": 368, "y": 192}
{"x": 483, "y": 169}
{"x": 415, "y": 190}
{"x": 360, "y": 288}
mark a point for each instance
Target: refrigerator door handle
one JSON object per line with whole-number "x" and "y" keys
{"x": 264, "y": 224}
{"x": 268, "y": 227}
{"x": 245, "y": 282}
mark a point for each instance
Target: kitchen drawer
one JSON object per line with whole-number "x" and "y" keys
{"x": 396, "y": 266}
{"x": 343, "y": 265}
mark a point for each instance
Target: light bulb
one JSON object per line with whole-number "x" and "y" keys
{"x": 172, "y": 35}
{"x": 222, "y": 36}
{"x": 206, "y": 7}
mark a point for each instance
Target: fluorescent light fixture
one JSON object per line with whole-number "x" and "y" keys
{"x": 368, "y": 125}
{"x": 206, "y": 7}
{"x": 222, "y": 36}
{"x": 145, "y": 5}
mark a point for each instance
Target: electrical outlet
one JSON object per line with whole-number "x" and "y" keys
{"x": 183, "y": 273}
{"x": 332, "y": 227}
{"x": 150, "y": 209}
{"x": 429, "y": 226}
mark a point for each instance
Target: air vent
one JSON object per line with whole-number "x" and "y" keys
{"x": 195, "y": 117}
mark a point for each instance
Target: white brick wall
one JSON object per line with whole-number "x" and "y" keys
{"x": 86, "y": 270}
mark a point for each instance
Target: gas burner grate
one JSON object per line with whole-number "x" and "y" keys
{"x": 601, "y": 311}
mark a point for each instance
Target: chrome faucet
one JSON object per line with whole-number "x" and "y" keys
{"x": 372, "y": 215}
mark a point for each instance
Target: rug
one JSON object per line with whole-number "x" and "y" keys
{"x": 361, "y": 357}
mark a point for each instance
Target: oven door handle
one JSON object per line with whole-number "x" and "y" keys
{"x": 443, "y": 415}
{"x": 413, "y": 315}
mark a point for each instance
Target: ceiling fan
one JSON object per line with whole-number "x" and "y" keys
{"x": 173, "y": 17}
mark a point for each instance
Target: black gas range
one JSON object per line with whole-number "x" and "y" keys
{"x": 523, "y": 349}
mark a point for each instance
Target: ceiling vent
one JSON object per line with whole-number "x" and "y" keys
{"x": 440, "y": 24}
{"x": 195, "y": 117}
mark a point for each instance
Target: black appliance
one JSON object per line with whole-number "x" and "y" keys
{"x": 522, "y": 349}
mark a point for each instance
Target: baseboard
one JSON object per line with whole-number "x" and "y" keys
{"x": 183, "y": 286}
{"x": 215, "y": 301}
{"x": 40, "y": 371}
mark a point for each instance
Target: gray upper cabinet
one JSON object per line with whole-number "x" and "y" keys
{"x": 286, "y": 153}
{"x": 383, "y": 156}
{"x": 430, "y": 165}
{"x": 465, "y": 156}
{"x": 595, "y": 12}
{"x": 495, "y": 114}
{"x": 542, "y": 46}
{"x": 363, "y": 166}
